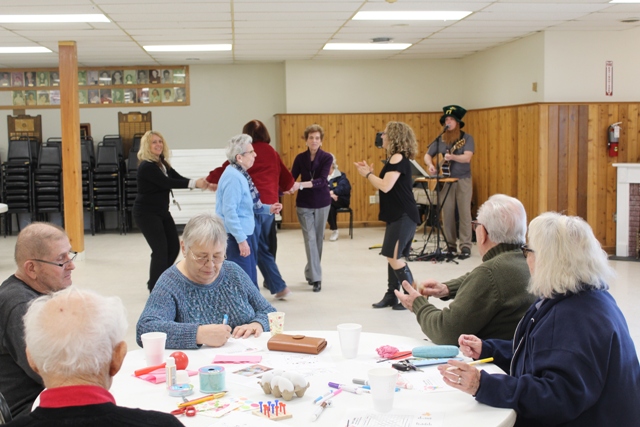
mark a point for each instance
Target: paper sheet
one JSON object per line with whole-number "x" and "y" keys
{"x": 425, "y": 419}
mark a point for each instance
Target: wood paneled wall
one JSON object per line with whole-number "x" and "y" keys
{"x": 550, "y": 156}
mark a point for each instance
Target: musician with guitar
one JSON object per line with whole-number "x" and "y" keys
{"x": 450, "y": 156}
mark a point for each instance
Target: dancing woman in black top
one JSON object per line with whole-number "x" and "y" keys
{"x": 397, "y": 205}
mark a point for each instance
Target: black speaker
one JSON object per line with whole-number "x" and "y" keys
{"x": 378, "y": 142}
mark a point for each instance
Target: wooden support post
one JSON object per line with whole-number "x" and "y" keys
{"x": 71, "y": 158}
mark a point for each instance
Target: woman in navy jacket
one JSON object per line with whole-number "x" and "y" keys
{"x": 572, "y": 361}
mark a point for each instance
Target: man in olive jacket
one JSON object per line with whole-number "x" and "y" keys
{"x": 490, "y": 300}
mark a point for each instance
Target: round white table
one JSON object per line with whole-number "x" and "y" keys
{"x": 455, "y": 408}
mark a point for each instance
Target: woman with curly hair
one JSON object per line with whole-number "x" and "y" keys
{"x": 397, "y": 205}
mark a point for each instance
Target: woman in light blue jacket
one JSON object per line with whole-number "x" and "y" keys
{"x": 236, "y": 202}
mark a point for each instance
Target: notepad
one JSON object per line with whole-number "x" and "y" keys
{"x": 242, "y": 358}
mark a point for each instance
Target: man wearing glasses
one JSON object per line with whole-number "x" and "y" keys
{"x": 490, "y": 300}
{"x": 45, "y": 262}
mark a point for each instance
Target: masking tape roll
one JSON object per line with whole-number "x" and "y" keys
{"x": 211, "y": 379}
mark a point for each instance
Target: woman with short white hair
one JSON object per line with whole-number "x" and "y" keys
{"x": 572, "y": 361}
{"x": 237, "y": 201}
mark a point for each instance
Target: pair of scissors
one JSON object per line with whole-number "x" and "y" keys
{"x": 405, "y": 366}
{"x": 189, "y": 411}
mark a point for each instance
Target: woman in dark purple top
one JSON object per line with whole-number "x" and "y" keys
{"x": 397, "y": 205}
{"x": 313, "y": 200}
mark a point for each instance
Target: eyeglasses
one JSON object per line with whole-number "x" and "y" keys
{"x": 526, "y": 251}
{"x": 383, "y": 133}
{"x": 71, "y": 256}
{"x": 248, "y": 152}
{"x": 204, "y": 260}
{"x": 475, "y": 224}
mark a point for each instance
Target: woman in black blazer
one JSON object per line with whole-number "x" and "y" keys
{"x": 156, "y": 179}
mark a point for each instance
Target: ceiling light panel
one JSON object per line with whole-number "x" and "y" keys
{"x": 436, "y": 15}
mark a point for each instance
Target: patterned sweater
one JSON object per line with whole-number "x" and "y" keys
{"x": 177, "y": 306}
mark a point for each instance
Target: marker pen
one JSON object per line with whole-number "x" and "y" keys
{"x": 355, "y": 390}
{"x": 317, "y": 399}
{"x": 225, "y": 319}
{"x": 332, "y": 395}
{"x": 359, "y": 381}
{"x": 320, "y": 409}
{"x": 368, "y": 387}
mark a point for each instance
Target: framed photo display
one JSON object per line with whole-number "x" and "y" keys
{"x": 97, "y": 87}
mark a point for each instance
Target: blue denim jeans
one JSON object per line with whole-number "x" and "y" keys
{"x": 266, "y": 261}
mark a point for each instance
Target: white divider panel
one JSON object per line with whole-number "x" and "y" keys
{"x": 194, "y": 164}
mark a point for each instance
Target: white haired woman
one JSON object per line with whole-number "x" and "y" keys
{"x": 572, "y": 361}
{"x": 192, "y": 297}
{"x": 156, "y": 179}
{"x": 237, "y": 201}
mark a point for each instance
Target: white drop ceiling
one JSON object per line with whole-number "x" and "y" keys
{"x": 280, "y": 30}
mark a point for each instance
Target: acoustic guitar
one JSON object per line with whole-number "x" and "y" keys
{"x": 442, "y": 166}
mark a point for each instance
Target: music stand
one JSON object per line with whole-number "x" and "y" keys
{"x": 437, "y": 255}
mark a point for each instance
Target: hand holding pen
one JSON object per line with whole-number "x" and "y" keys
{"x": 462, "y": 376}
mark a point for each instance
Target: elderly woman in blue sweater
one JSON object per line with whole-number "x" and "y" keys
{"x": 237, "y": 201}
{"x": 191, "y": 299}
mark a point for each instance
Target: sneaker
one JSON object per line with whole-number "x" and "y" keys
{"x": 334, "y": 235}
{"x": 282, "y": 294}
{"x": 465, "y": 253}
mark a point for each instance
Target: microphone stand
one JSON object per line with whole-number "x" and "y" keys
{"x": 438, "y": 255}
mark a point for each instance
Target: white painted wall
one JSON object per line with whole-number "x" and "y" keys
{"x": 504, "y": 75}
{"x": 575, "y": 66}
{"x": 373, "y": 86}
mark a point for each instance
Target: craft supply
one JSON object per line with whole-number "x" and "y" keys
{"x": 212, "y": 379}
{"x": 182, "y": 377}
{"x": 225, "y": 319}
{"x": 319, "y": 398}
{"x": 331, "y": 396}
{"x": 242, "y": 358}
{"x": 202, "y": 399}
{"x": 435, "y": 351}
{"x": 359, "y": 381}
{"x": 170, "y": 371}
{"x": 274, "y": 412}
{"x": 181, "y": 390}
{"x": 343, "y": 387}
{"x": 189, "y": 411}
{"x": 181, "y": 359}
{"x": 397, "y": 356}
{"x": 475, "y": 362}
{"x": 320, "y": 409}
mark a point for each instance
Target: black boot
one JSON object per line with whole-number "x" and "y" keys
{"x": 402, "y": 274}
{"x": 389, "y": 299}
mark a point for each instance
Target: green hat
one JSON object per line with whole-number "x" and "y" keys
{"x": 455, "y": 111}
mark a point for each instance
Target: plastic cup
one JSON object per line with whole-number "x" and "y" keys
{"x": 153, "y": 345}
{"x": 383, "y": 387}
{"x": 349, "y": 334}
{"x": 276, "y": 322}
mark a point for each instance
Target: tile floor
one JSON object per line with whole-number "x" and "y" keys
{"x": 354, "y": 277}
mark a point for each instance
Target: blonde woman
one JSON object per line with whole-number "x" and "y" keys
{"x": 156, "y": 179}
{"x": 397, "y": 205}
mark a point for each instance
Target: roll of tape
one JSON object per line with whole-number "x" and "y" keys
{"x": 211, "y": 379}
{"x": 179, "y": 390}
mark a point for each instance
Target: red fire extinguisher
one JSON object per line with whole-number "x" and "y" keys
{"x": 614, "y": 137}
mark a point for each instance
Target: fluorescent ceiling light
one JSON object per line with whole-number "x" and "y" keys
{"x": 366, "y": 46}
{"x": 34, "y": 49}
{"x": 13, "y": 19}
{"x": 624, "y": 1}
{"x": 188, "y": 48}
{"x": 411, "y": 15}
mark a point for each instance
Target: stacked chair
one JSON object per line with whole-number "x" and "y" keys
{"x": 48, "y": 181}
{"x": 17, "y": 180}
{"x": 107, "y": 189}
{"x": 87, "y": 164}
